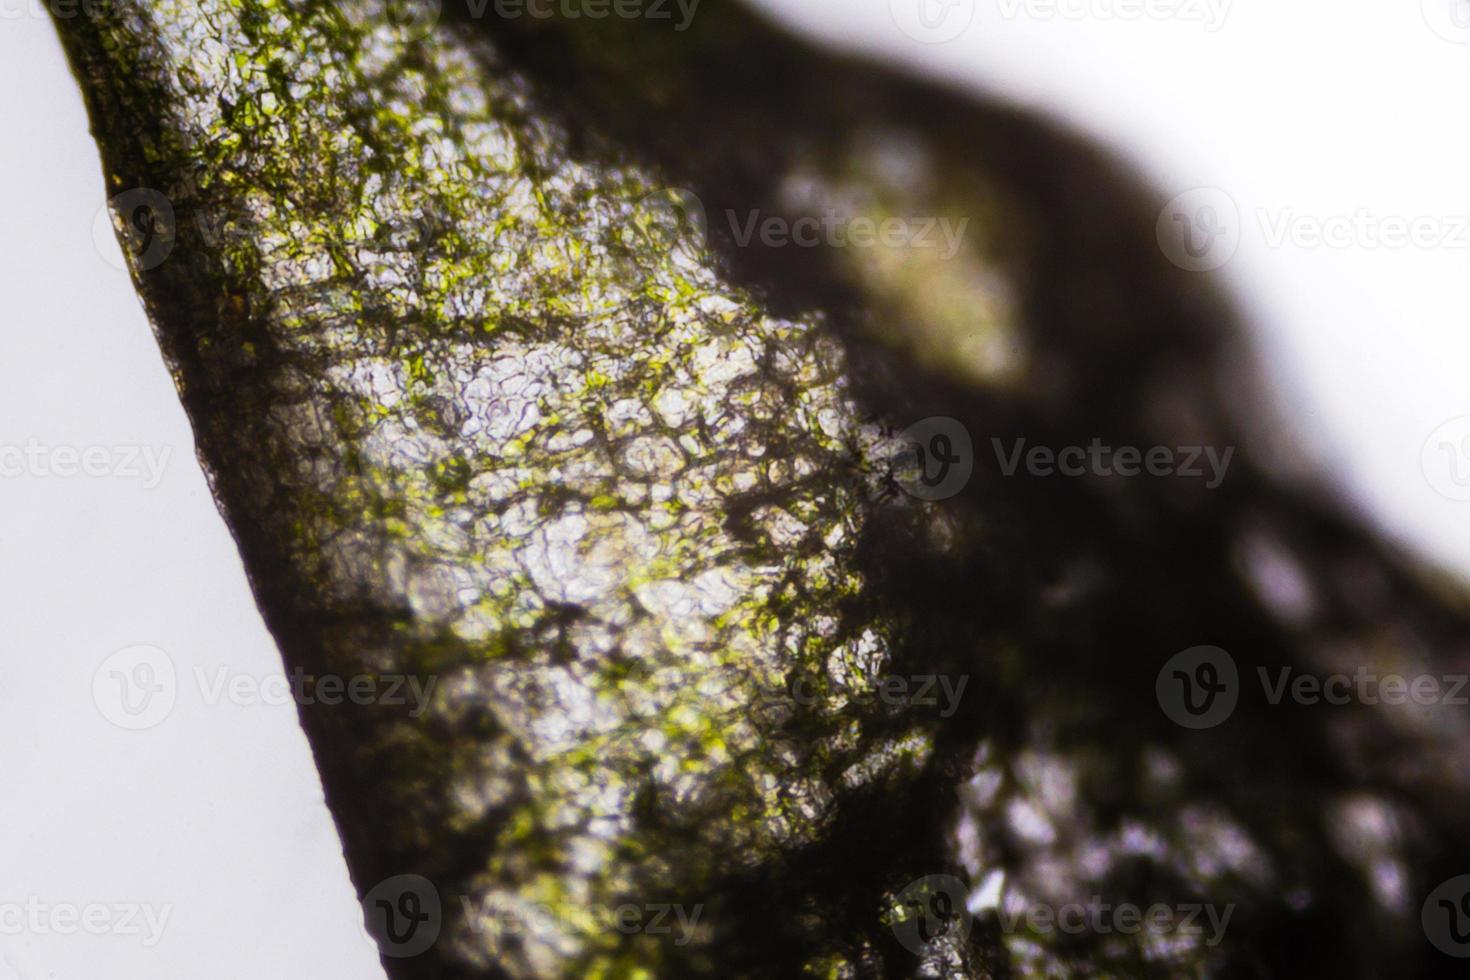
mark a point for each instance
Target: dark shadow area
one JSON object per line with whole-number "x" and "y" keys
{"x": 1066, "y": 596}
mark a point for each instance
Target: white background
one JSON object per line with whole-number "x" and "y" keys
{"x": 1314, "y": 108}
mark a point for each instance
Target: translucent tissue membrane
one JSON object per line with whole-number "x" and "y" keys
{"x": 501, "y": 384}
